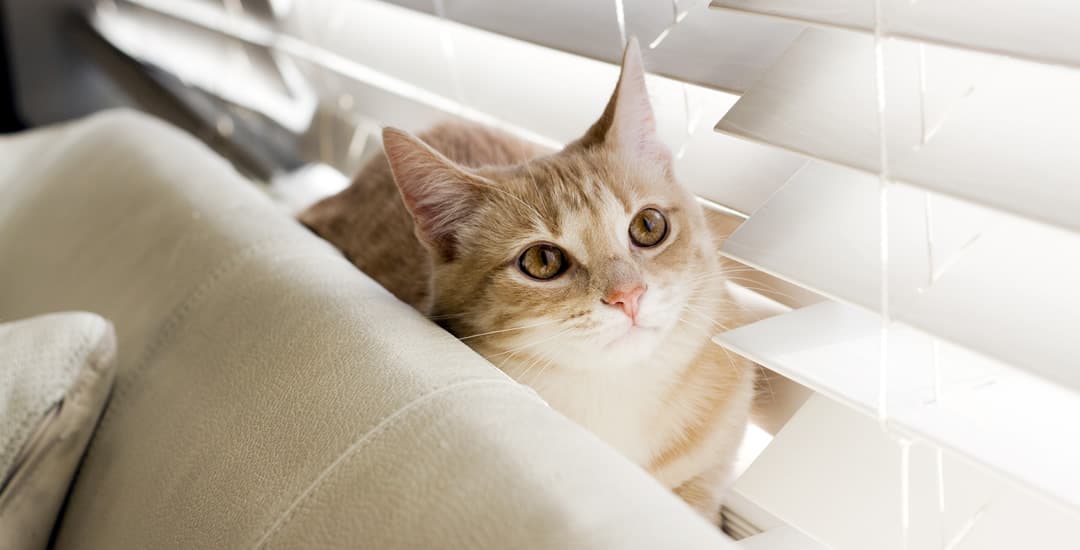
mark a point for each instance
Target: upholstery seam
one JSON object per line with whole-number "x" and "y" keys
{"x": 171, "y": 324}
{"x": 358, "y": 444}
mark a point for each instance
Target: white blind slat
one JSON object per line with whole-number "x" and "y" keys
{"x": 818, "y": 99}
{"x": 983, "y": 128}
{"x": 1039, "y": 29}
{"x": 780, "y": 538}
{"x": 370, "y": 33}
{"x": 838, "y": 477}
{"x": 265, "y": 83}
{"x": 352, "y": 52}
{"x": 853, "y": 14}
{"x": 973, "y": 276}
{"x": 822, "y": 211}
{"x": 592, "y": 29}
{"x": 935, "y": 391}
{"x": 743, "y": 175}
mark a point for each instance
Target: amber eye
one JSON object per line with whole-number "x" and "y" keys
{"x": 543, "y": 261}
{"x": 648, "y": 228}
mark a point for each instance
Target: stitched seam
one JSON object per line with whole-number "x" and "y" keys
{"x": 383, "y": 425}
{"x": 170, "y": 326}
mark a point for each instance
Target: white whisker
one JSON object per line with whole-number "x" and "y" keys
{"x": 521, "y": 375}
{"x": 531, "y": 344}
{"x": 543, "y": 369}
{"x": 447, "y": 316}
{"x": 534, "y": 325}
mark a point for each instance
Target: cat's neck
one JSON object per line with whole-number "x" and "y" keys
{"x": 622, "y": 404}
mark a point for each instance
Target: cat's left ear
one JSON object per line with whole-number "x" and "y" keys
{"x": 437, "y": 192}
{"x": 628, "y": 124}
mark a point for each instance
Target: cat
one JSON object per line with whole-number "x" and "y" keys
{"x": 588, "y": 274}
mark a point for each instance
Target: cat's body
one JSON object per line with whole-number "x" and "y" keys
{"x": 614, "y": 333}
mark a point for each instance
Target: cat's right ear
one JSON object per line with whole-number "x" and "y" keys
{"x": 439, "y": 193}
{"x": 628, "y": 125}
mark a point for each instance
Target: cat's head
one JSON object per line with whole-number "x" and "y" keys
{"x": 589, "y": 257}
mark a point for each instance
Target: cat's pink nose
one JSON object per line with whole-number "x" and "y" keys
{"x": 626, "y": 296}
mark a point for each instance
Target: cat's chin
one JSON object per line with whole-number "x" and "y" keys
{"x": 627, "y": 347}
{"x": 633, "y": 336}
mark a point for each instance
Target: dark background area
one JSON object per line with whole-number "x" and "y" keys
{"x": 55, "y": 67}
{"x": 9, "y": 119}
{"x": 45, "y": 68}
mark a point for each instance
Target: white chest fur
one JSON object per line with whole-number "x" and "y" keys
{"x": 616, "y": 406}
{"x": 628, "y": 406}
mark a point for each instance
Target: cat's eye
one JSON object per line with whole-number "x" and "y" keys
{"x": 543, "y": 261}
{"x": 648, "y": 228}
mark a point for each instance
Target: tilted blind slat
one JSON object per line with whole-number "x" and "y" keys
{"x": 743, "y": 175}
{"x": 1037, "y": 29}
{"x": 973, "y": 276}
{"x": 794, "y": 231}
{"x": 888, "y": 494}
{"x": 934, "y": 391}
{"x": 186, "y": 48}
{"x": 352, "y": 52}
{"x": 979, "y": 127}
{"x": 818, "y": 99}
{"x": 592, "y": 29}
{"x": 853, "y": 14}
{"x": 780, "y": 538}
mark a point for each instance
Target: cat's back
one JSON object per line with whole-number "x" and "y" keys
{"x": 369, "y": 223}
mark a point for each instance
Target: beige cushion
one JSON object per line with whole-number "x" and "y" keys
{"x": 55, "y": 374}
{"x": 268, "y": 394}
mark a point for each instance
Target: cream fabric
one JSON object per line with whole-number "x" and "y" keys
{"x": 55, "y": 373}
{"x": 39, "y": 359}
{"x": 268, "y": 394}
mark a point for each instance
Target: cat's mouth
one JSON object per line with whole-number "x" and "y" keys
{"x": 632, "y": 333}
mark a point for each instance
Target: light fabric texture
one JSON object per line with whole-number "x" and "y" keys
{"x": 270, "y": 395}
{"x": 55, "y": 374}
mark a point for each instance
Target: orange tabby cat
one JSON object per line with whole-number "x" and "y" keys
{"x": 588, "y": 274}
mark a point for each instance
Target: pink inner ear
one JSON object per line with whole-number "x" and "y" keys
{"x": 439, "y": 207}
{"x": 433, "y": 188}
{"x": 634, "y": 126}
{"x": 435, "y": 228}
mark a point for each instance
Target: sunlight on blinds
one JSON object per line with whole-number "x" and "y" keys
{"x": 938, "y": 196}
{"x": 355, "y": 49}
